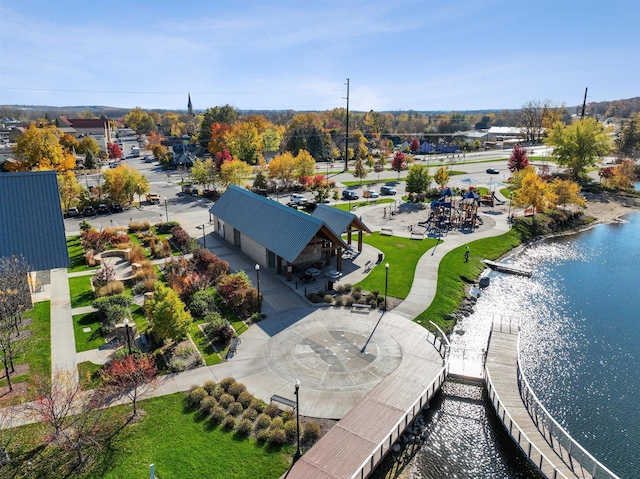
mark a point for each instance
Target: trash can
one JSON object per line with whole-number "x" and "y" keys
{"x": 330, "y": 286}
{"x": 380, "y": 257}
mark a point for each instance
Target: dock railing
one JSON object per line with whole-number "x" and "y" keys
{"x": 524, "y": 443}
{"x": 440, "y": 340}
{"x": 571, "y": 452}
{"x": 384, "y": 446}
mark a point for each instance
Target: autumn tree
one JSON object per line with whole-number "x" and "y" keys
{"x": 123, "y": 182}
{"x": 442, "y": 176}
{"x": 69, "y": 188}
{"x": 414, "y": 145}
{"x": 234, "y": 172}
{"x": 399, "y": 162}
{"x": 89, "y": 147}
{"x": 282, "y": 167}
{"x": 628, "y": 138}
{"x": 518, "y": 159}
{"x": 564, "y": 192}
{"x": 140, "y": 121}
{"x": 272, "y": 138}
{"x": 305, "y": 132}
{"x": 532, "y": 192}
{"x": 360, "y": 171}
{"x": 537, "y": 115}
{"x": 624, "y": 175}
{"x": 244, "y": 142}
{"x": 167, "y": 314}
{"x": 321, "y": 188}
{"x": 39, "y": 148}
{"x": 218, "y": 138}
{"x": 218, "y": 114}
{"x": 131, "y": 376}
{"x": 606, "y": 174}
{"x": 203, "y": 172}
{"x": 578, "y": 146}
{"x": 239, "y": 294}
{"x": 69, "y": 143}
{"x": 305, "y": 165}
{"x": 114, "y": 151}
{"x": 418, "y": 179}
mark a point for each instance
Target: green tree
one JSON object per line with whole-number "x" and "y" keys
{"x": 578, "y": 146}
{"x": 203, "y": 172}
{"x": 167, "y": 315}
{"x": 220, "y": 114}
{"x": 305, "y": 132}
{"x": 88, "y": 145}
{"x": 418, "y": 179}
{"x": 271, "y": 139}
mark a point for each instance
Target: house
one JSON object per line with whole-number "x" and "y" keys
{"x": 98, "y": 129}
{"x": 31, "y": 222}
{"x": 276, "y": 236}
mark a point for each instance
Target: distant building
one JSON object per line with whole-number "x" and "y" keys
{"x": 190, "y": 106}
{"x": 98, "y": 129}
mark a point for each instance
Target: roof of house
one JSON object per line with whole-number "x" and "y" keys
{"x": 31, "y": 222}
{"x": 338, "y": 220}
{"x": 277, "y": 227}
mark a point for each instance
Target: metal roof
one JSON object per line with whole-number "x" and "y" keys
{"x": 280, "y": 229}
{"x": 31, "y": 222}
{"x": 338, "y": 220}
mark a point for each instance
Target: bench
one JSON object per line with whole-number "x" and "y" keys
{"x": 283, "y": 400}
{"x": 386, "y": 231}
{"x": 417, "y": 235}
{"x": 232, "y": 349}
{"x": 368, "y": 265}
{"x": 361, "y": 307}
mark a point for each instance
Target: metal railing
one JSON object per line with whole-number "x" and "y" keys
{"x": 368, "y": 466}
{"x": 524, "y": 443}
{"x": 440, "y": 341}
{"x": 569, "y": 450}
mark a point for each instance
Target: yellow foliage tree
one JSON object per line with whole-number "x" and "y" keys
{"x": 235, "y": 172}
{"x": 532, "y": 192}
{"x": 69, "y": 189}
{"x": 563, "y": 192}
{"x": 123, "y": 182}
{"x": 442, "y": 176}
{"x": 305, "y": 164}
{"x": 282, "y": 167}
{"x": 39, "y": 148}
{"x": 624, "y": 175}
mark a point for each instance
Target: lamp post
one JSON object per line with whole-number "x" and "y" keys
{"x": 166, "y": 209}
{"x": 386, "y": 285}
{"x": 509, "y": 214}
{"x": 204, "y": 237}
{"x": 298, "y": 454}
{"x": 257, "y": 267}
{"x": 126, "y": 327}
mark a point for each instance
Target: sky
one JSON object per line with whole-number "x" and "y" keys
{"x": 423, "y": 55}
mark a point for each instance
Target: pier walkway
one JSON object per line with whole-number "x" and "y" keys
{"x": 539, "y": 436}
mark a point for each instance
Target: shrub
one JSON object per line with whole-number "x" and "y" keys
{"x": 166, "y": 227}
{"x": 137, "y": 254}
{"x": 236, "y": 388}
{"x": 287, "y": 415}
{"x": 257, "y": 405}
{"x": 88, "y": 257}
{"x": 217, "y": 415}
{"x": 291, "y": 430}
{"x": 339, "y": 301}
{"x": 195, "y": 396}
{"x": 235, "y": 409}
{"x": 277, "y": 437}
{"x": 272, "y": 410}
{"x": 225, "y": 400}
{"x": 226, "y": 382}
{"x": 340, "y": 289}
{"x": 210, "y": 387}
{"x": 135, "y": 226}
{"x": 184, "y": 351}
{"x": 139, "y": 288}
{"x": 104, "y": 304}
{"x": 311, "y": 431}
{"x": 114, "y": 287}
{"x": 104, "y": 275}
{"x": 349, "y": 301}
{"x": 328, "y": 298}
{"x": 180, "y": 237}
{"x": 356, "y": 295}
{"x": 245, "y": 427}
{"x": 245, "y": 398}
{"x": 314, "y": 298}
{"x": 277, "y": 423}
{"x": 229, "y": 423}
{"x": 357, "y": 288}
{"x": 263, "y": 421}
{"x": 207, "y": 404}
{"x": 347, "y": 288}
{"x": 250, "y": 414}
{"x": 263, "y": 436}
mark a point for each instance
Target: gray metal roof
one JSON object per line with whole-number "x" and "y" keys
{"x": 31, "y": 222}
{"x": 338, "y": 220}
{"x": 277, "y": 227}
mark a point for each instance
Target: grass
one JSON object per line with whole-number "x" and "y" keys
{"x": 91, "y": 340}
{"x": 454, "y": 273}
{"x": 402, "y": 255}
{"x": 37, "y": 352}
{"x": 379, "y": 201}
{"x": 88, "y": 374}
{"x": 138, "y": 316}
{"x": 76, "y": 255}
{"x": 239, "y": 326}
{"x": 179, "y": 443}
{"x": 81, "y": 292}
{"x": 209, "y": 354}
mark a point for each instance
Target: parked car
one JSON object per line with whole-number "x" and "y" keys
{"x": 103, "y": 209}
{"x": 349, "y": 195}
{"x": 387, "y": 190}
{"x": 153, "y": 198}
{"x": 211, "y": 194}
{"x": 492, "y": 171}
{"x": 370, "y": 194}
{"x": 89, "y": 211}
{"x": 298, "y": 199}
{"x": 116, "y": 207}
{"x": 71, "y": 212}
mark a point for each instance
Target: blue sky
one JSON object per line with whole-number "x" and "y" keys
{"x": 398, "y": 54}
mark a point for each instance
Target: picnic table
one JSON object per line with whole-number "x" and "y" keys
{"x": 312, "y": 272}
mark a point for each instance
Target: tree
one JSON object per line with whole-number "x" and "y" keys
{"x": 442, "y": 176}
{"x": 399, "y": 163}
{"x": 69, "y": 143}
{"x": 219, "y": 114}
{"x": 283, "y": 168}
{"x": 414, "y": 145}
{"x": 218, "y": 139}
{"x": 203, "y": 172}
{"x": 69, "y": 188}
{"x": 418, "y": 179}
{"x": 628, "y": 138}
{"x": 245, "y": 143}
{"x": 518, "y": 159}
{"x": 39, "y": 148}
{"x": 624, "y": 175}
{"x": 142, "y": 122}
{"x": 114, "y": 151}
{"x": 305, "y": 132}
{"x": 272, "y": 138}
{"x": 360, "y": 171}
{"x": 321, "y": 188}
{"x": 131, "y": 376}
{"x": 563, "y": 192}
{"x": 606, "y": 173}
{"x": 88, "y": 145}
{"x": 123, "y": 182}
{"x": 532, "y": 192}
{"x": 578, "y": 146}
{"x": 234, "y": 172}
{"x": 167, "y": 315}
{"x": 305, "y": 164}
{"x": 379, "y": 166}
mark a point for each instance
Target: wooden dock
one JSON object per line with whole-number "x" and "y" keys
{"x": 503, "y": 389}
{"x": 504, "y": 268}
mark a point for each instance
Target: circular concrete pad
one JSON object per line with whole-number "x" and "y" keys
{"x": 335, "y": 353}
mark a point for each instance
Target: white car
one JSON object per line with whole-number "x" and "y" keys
{"x": 298, "y": 199}
{"x": 370, "y": 194}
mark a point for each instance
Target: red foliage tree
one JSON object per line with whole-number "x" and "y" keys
{"x": 518, "y": 159}
{"x": 222, "y": 157}
{"x": 606, "y": 173}
{"x": 114, "y": 151}
{"x": 131, "y": 376}
{"x": 414, "y": 145}
{"x": 305, "y": 181}
{"x": 399, "y": 162}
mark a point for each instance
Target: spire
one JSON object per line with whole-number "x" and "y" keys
{"x": 190, "y": 106}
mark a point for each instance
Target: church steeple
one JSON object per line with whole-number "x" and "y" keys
{"x": 190, "y": 106}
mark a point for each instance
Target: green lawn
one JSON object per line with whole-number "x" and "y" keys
{"x": 239, "y": 326}
{"x": 179, "y": 443}
{"x": 402, "y": 254}
{"x": 81, "y": 292}
{"x": 88, "y": 374}
{"x": 204, "y": 346}
{"x": 76, "y": 255}
{"x": 92, "y": 339}
{"x": 379, "y": 201}
{"x": 37, "y": 351}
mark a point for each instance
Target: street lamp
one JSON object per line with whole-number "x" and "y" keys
{"x": 257, "y": 267}
{"x": 126, "y": 327}
{"x": 204, "y": 237}
{"x": 298, "y": 454}
{"x": 386, "y": 285}
{"x": 509, "y": 214}
{"x": 166, "y": 209}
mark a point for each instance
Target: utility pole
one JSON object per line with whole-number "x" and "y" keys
{"x": 346, "y": 136}
{"x": 584, "y": 103}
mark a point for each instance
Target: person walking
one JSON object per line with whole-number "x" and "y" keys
{"x": 466, "y": 254}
